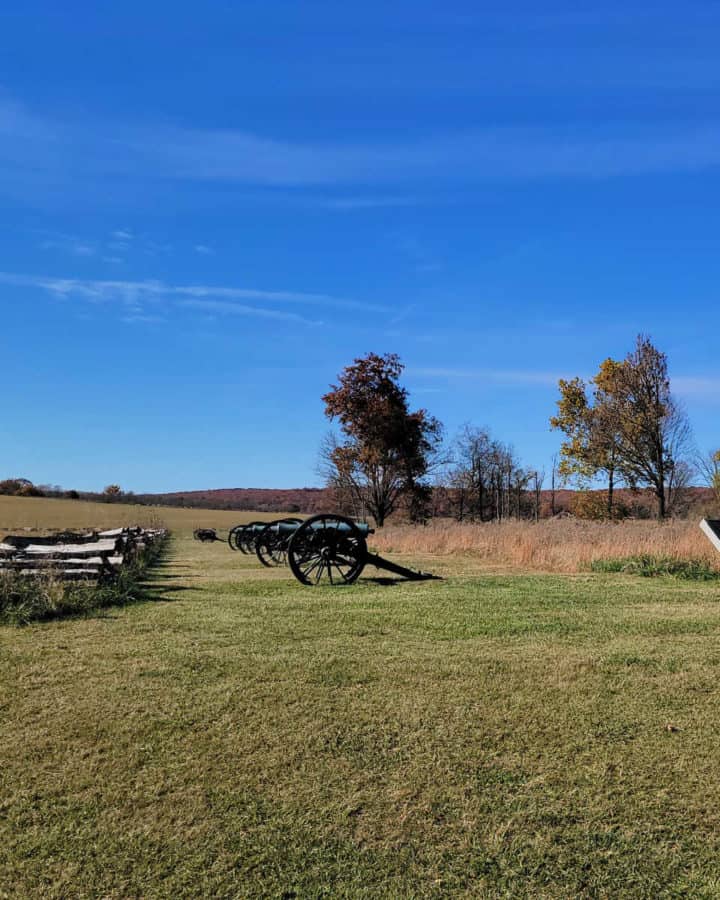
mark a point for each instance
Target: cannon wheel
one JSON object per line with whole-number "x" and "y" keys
{"x": 271, "y": 548}
{"x": 246, "y": 538}
{"x": 323, "y": 550}
{"x": 233, "y": 536}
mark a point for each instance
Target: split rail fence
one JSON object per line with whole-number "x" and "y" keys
{"x": 91, "y": 556}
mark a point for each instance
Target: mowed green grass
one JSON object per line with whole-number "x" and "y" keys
{"x": 490, "y": 735}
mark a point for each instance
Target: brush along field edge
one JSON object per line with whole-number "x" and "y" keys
{"x": 564, "y": 545}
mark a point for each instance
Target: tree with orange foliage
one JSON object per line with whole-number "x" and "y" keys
{"x": 112, "y": 493}
{"x": 386, "y": 450}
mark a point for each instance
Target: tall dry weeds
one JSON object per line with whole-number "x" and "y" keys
{"x": 561, "y": 545}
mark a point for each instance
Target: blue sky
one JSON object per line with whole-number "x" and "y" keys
{"x": 207, "y": 210}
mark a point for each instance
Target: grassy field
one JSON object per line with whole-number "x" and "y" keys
{"x": 553, "y": 545}
{"x": 42, "y": 514}
{"x": 491, "y": 735}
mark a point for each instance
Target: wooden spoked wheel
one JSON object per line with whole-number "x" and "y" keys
{"x": 271, "y": 545}
{"x": 246, "y": 537}
{"x": 327, "y": 548}
{"x": 233, "y": 536}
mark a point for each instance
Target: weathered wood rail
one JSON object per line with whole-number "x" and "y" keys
{"x": 96, "y": 555}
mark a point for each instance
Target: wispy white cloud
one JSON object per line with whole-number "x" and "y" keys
{"x": 697, "y": 387}
{"x": 497, "y": 153}
{"x": 140, "y": 319}
{"x": 154, "y": 248}
{"x": 233, "y": 293}
{"x": 72, "y": 247}
{"x": 348, "y": 204}
{"x": 66, "y": 243}
{"x": 109, "y": 290}
{"x": 495, "y": 376}
{"x": 240, "y": 309}
{"x": 84, "y": 152}
{"x": 400, "y": 316}
{"x": 203, "y": 249}
{"x": 120, "y": 246}
{"x": 417, "y": 255}
{"x": 135, "y": 297}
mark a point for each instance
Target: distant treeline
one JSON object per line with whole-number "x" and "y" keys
{"x": 446, "y": 502}
{"x": 305, "y": 500}
{"x": 302, "y": 500}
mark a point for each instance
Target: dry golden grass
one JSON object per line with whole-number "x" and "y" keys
{"x": 40, "y": 513}
{"x": 561, "y": 545}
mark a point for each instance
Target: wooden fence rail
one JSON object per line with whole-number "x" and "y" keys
{"x": 77, "y": 555}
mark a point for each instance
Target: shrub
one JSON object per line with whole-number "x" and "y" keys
{"x": 24, "y": 599}
{"x": 19, "y": 487}
{"x": 594, "y": 505}
{"x": 29, "y": 490}
{"x": 651, "y": 566}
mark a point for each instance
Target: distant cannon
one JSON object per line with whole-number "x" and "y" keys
{"x": 206, "y": 535}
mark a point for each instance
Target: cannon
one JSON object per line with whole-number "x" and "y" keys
{"x": 206, "y": 535}
{"x": 271, "y": 543}
{"x": 240, "y": 537}
{"x": 244, "y": 537}
{"x": 325, "y": 548}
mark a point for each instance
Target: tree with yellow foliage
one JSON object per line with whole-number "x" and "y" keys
{"x": 590, "y": 448}
{"x": 633, "y": 429}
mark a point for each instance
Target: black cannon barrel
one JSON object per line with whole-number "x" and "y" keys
{"x": 342, "y": 527}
